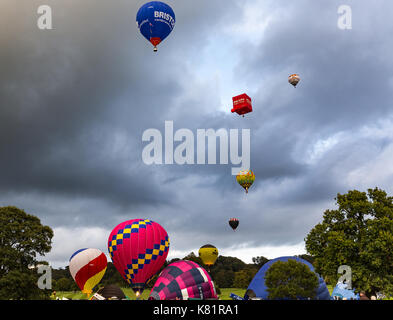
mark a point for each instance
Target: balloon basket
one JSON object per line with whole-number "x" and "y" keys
{"x": 138, "y": 289}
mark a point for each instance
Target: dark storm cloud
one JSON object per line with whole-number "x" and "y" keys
{"x": 345, "y": 86}
{"x": 66, "y": 93}
{"x": 345, "y": 79}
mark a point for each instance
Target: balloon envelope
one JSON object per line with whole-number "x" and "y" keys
{"x": 234, "y": 223}
{"x": 138, "y": 249}
{"x": 183, "y": 280}
{"x": 294, "y": 79}
{"x": 112, "y": 292}
{"x": 241, "y": 104}
{"x": 341, "y": 291}
{"x": 87, "y": 267}
{"x": 155, "y": 21}
{"x": 208, "y": 253}
{"x": 257, "y": 287}
{"x": 245, "y": 178}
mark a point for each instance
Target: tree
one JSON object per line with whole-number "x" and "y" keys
{"x": 18, "y": 285}
{"x": 358, "y": 234}
{"x": 259, "y": 261}
{"x": 111, "y": 276}
{"x": 230, "y": 263}
{"x": 22, "y": 238}
{"x": 290, "y": 280}
{"x": 243, "y": 278}
{"x": 64, "y": 284}
{"x": 192, "y": 257}
{"x": 306, "y": 257}
{"x": 224, "y": 278}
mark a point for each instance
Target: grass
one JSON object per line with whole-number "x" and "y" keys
{"x": 74, "y": 295}
{"x": 330, "y": 288}
{"x": 225, "y": 292}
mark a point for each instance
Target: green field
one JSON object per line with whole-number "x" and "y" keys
{"x": 330, "y": 288}
{"x": 130, "y": 294}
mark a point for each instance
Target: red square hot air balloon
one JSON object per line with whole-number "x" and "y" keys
{"x": 241, "y": 104}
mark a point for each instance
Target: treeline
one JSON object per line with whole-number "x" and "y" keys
{"x": 227, "y": 272}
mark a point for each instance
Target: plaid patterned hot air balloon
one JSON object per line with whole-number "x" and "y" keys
{"x": 138, "y": 249}
{"x": 245, "y": 178}
{"x": 183, "y": 280}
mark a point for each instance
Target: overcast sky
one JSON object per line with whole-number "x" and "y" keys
{"x": 75, "y": 101}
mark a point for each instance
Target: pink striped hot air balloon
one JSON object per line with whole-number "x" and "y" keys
{"x": 87, "y": 267}
{"x": 138, "y": 249}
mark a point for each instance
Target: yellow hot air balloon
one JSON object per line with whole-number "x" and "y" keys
{"x": 294, "y": 79}
{"x": 208, "y": 253}
{"x": 245, "y": 178}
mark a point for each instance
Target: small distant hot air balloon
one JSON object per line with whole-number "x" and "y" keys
{"x": 183, "y": 280}
{"x": 245, "y": 178}
{"x": 208, "y": 253}
{"x": 241, "y": 104}
{"x": 138, "y": 249}
{"x": 87, "y": 267}
{"x": 233, "y": 222}
{"x": 155, "y": 21}
{"x": 294, "y": 79}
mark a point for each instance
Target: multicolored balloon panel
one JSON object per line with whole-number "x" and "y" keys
{"x": 87, "y": 267}
{"x": 183, "y": 280}
{"x": 138, "y": 249}
{"x": 245, "y": 178}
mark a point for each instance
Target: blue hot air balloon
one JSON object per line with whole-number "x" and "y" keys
{"x": 257, "y": 287}
{"x": 155, "y": 21}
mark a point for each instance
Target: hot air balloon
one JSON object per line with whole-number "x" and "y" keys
{"x": 155, "y": 21}
{"x": 233, "y": 222}
{"x": 241, "y": 104}
{"x": 245, "y": 178}
{"x": 138, "y": 249}
{"x": 208, "y": 253}
{"x": 87, "y": 267}
{"x": 111, "y": 292}
{"x": 258, "y": 289}
{"x": 183, "y": 280}
{"x": 294, "y": 79}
